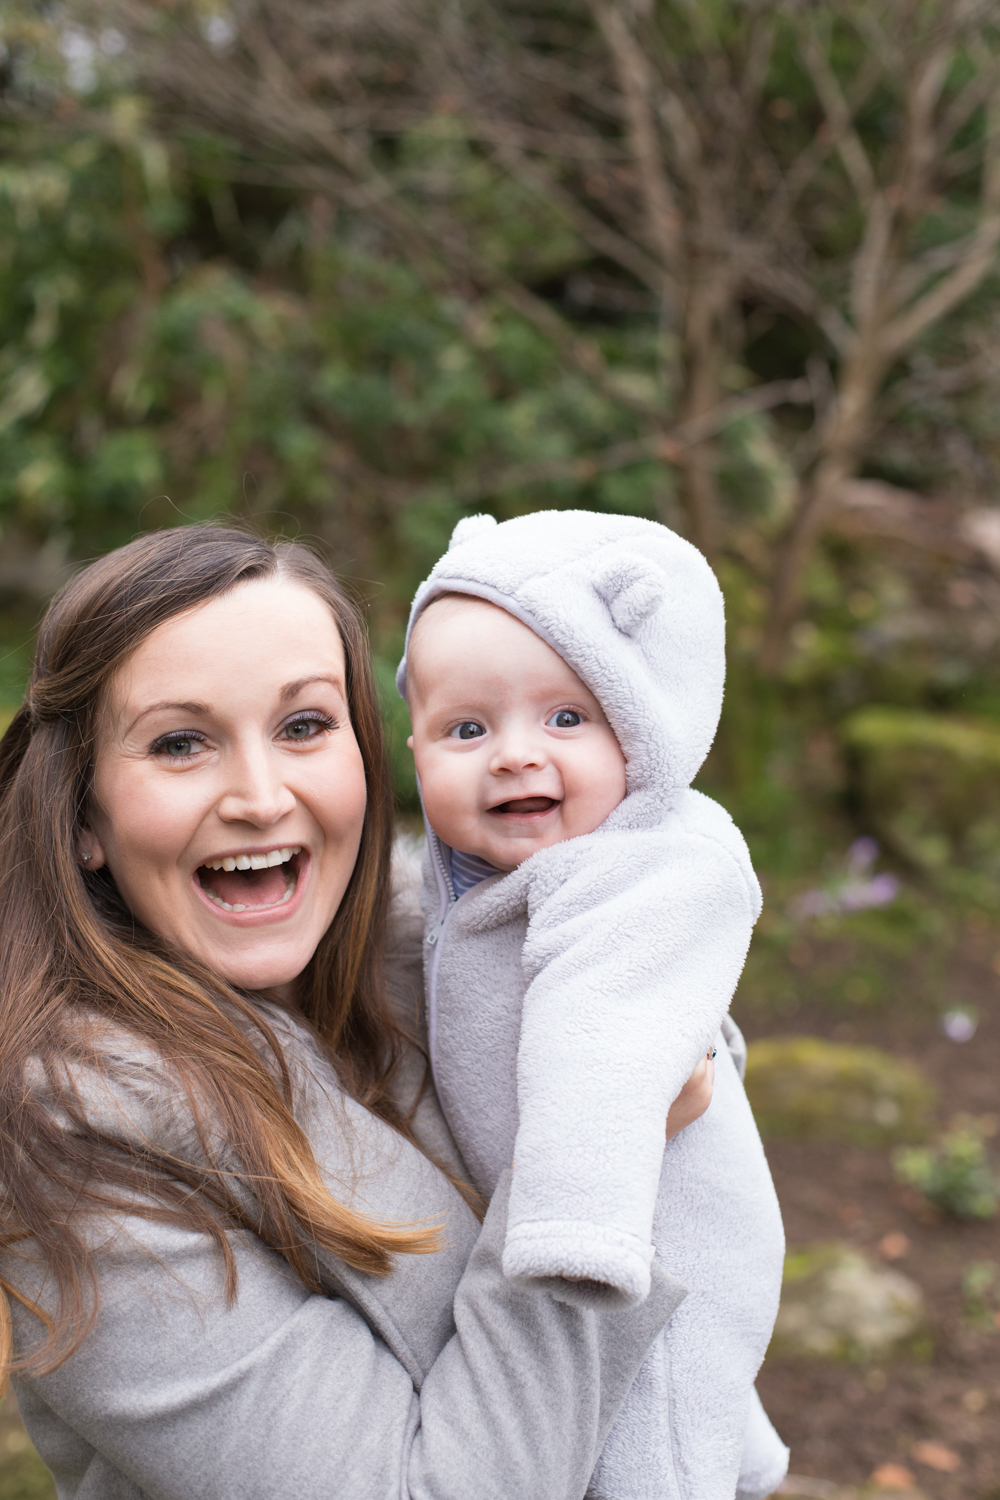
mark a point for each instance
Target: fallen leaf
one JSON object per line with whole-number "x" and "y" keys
{"x": 937, "y": 1456}
{"x": 893, "y": 1246}
{"x": 893, "y": 1477}
{"x": 975, "y": 1401}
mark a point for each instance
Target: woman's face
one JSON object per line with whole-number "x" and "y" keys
{"x": 229, "y": 791}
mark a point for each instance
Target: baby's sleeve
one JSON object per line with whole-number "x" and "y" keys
{"x": 634, "y": 948}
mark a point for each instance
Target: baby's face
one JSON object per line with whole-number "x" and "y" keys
{"x": 512, "y": 751}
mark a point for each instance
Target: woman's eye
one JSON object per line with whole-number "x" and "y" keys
{"x": 177, "y": 749}
{"x": 306, "y": 729}
{"x": 566, "y": 718}
{"x": 468, "y": 730}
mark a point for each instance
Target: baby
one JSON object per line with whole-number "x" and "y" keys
{"x": 588, "y": 916}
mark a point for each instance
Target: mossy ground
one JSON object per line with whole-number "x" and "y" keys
{"x": 843, "y": 1421}
{"x": 23, "y": 1476}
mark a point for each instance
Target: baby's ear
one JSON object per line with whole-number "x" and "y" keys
{"x": 632, "y": 588}
{"x": 469, "y": 527}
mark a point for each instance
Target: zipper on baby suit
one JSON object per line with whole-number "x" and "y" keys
{"x": 446, "y": 892}
{"x": 446, "y": 888}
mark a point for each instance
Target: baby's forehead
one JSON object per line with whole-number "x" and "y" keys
{"x": 448, "y": 617}
{"x": 466, "y": 633}
{"x": 447, "y": 607}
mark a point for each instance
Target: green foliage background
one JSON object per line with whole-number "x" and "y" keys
{"x": 184, "y": 336}
{"x": 180, "y": 340}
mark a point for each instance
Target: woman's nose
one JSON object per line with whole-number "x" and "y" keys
{"x": 257, "y": 793}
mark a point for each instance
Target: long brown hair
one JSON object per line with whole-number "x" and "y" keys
{"x": 74, "y": 962}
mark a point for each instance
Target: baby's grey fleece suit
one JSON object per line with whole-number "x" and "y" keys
{"x": 569, "y": 1000}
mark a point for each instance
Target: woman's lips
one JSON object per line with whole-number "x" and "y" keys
{"x": 525, "y": 807}
{"x": 252, "y": 892}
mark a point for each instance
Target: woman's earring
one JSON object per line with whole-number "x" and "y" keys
{"x": 87, "y": 857}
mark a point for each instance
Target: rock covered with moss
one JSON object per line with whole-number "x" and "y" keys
{"x": 807, "y": 1088}
{"x": 929, "y": 783}
{"x": 837, "y": 1304}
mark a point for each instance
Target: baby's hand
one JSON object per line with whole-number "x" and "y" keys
{"x": 694, "y": 1098}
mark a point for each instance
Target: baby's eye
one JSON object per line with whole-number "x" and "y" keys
{"x": 566, "y": 718}
{"x": 467, "y": 730}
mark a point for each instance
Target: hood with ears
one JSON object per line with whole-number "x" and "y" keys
{"x": 633, "y": 608}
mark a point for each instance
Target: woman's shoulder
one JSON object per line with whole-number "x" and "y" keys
{"x": 110, "y": 1081}
{"x": 413, "y": 1085}
{"x": 107, "y": 1076}
{"x": 404, "y": 937}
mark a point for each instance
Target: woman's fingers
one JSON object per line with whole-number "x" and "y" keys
{"x": 693, "y": 1099}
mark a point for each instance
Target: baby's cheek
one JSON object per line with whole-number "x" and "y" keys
{"x": 590, "y": 801}
{"x": 446, "y": 795}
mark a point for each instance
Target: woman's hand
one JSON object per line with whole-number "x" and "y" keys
{"x": 694, "y": 1098}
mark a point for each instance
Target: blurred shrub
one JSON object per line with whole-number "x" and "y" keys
{"x": 25, "y": 1477}
{"x": 930, "y": 784}
{"x": 955, "y": 1173}
{"x": 981, "y": 1294}
{"x": 396, "y": 718}
{"x": 806, "y": 1088}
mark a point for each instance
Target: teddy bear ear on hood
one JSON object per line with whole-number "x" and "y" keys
{"x": 632, "y": 588}
{"x": 469, "y": 527}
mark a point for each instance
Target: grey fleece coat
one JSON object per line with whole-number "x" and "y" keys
{"x": 442, "y": 1381}
{"x": 569, "y": 1001}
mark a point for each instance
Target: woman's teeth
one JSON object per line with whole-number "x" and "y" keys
{"x": 241, "y": 906}
{"x": 239, "y": 875}
{"x": 253, "y": 861}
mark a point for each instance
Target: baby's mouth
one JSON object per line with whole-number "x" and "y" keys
{"x": 523, "y": 806}
{"x": 251, "y": 882}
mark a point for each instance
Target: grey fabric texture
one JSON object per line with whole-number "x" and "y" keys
{"x": 441, "y": 1381}
{"x": 569, "y": 1000}
{"x": 765, "y": 1457}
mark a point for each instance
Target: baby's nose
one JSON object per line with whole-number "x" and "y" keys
{"x": 517, "y": 751}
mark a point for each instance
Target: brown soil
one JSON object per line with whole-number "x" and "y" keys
{"x": 843, "y": 1421}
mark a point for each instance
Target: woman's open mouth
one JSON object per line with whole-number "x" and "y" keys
{"x": 252, "y": 882}
{"x": 525, "y": 807}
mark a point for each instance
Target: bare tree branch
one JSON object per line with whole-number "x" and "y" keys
{"x": 839, "y": 115}
{"x": 667, "y": 446}
{"x": 636, "y": 86}
{"x": 604, "y": 239}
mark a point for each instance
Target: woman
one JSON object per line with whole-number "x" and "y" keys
{"x": 238, "y": 1256}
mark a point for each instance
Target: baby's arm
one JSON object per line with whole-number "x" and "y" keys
{"x": 635, "y": 944}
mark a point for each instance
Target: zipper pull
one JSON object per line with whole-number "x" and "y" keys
{"x": 435, "y": 933}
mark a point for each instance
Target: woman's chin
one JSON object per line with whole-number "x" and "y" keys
{"x": 256, "y": 950}
{"x": 263, "y": 970}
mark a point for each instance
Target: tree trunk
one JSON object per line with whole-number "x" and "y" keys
{"x": 794, "y": 554}
{"x": 840, "y": 445}
{"x": 704, "y": 354}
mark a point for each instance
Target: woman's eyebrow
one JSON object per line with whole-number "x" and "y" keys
{"x": 286, "y": 694}
{"x": 155, "y": 708}
{"x": 292, "y": 689}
